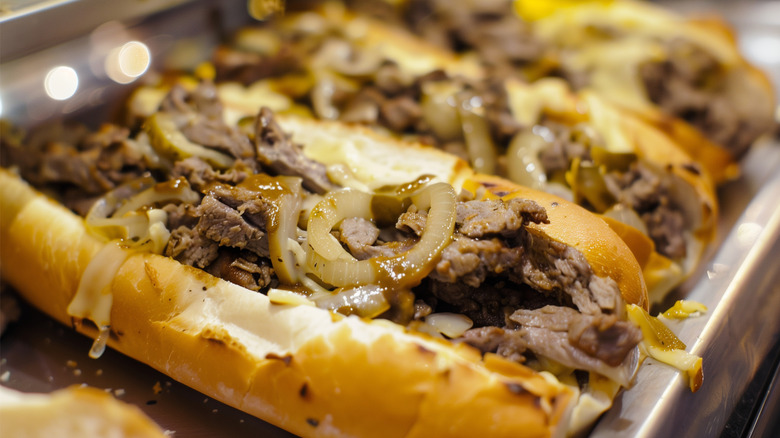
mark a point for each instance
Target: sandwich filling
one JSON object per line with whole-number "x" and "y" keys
{"x": 245, "y": 204}
{"x": 466, "y": 116}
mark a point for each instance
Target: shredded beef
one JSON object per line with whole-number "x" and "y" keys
{"x": 470, "y": 261}
{"x": 92, "y": 163}
{"x": 277, "y": 152}
{"x": 242, "y": 268}
{"x": 682, "y": 85}
{"x": 200, "y": 174}
{"x": 489, "y": 28}
{"x": 247, "y": 68}
{"x": 190, "y": 247}
{"x": 508, "y": 343}
{"x": 229, "y": 227}
{"x": 567, "y": 143}
{"x": 601, "y": 336}
{"x": 400, "y": 113}
{"x": 181, "y": 215}
{"x": 497, "y": 217}
{"x": 362, "y": 238}
{"x": 199, "y": 117}
{"x": 412, "y": 221}
{"x": 645, "y": 192}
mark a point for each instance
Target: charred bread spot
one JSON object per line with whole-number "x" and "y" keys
{"x": 553, "y": 204}
{"x": 516, "y": 388}
{"x": 220, "y": 336}
{"x": 313, "y": 422}
{"x": 693, "y": 168}
{"x": 287, "y": 358}
{"x": 304, "y": 392}
{"x": 216, "y": 341}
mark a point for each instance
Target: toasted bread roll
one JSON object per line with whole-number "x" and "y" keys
{"x": 685, "y": 76}
{"x": 73, "y": 412}
{"x": 325, "y": 278}
{"x": 307, "y": 370}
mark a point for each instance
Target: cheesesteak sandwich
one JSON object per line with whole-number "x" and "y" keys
{"x": 684, "y": 75}
{"x": 331, "y": 297}
{"x": 333, "y": 64}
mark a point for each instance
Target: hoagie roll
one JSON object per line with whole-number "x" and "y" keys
{"x": 354, "y": 304}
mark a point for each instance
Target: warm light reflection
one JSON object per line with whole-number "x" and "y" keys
{"x": 748, "y": 232}
{"x": 61, "y": 83}
{"x": 764, "y": 49}
{"x": 124, "y": 64}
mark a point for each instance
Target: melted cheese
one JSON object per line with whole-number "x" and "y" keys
{"x": 663, "y": 345}
{"x": 93, "y": 297}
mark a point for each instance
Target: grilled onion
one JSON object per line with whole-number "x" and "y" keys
{"x": 126, "y": 212}
{"x": 367, "y": 301}
{"x": 333, "y": 265}
{"x": 523, "y": 164}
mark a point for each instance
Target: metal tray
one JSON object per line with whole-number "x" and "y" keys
{"x": 739, "y": 281}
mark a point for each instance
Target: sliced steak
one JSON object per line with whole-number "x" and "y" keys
{"x": 191, "y": 248}
{"x": 497, "y": 217}
{"x": 229, "y": 227}
{"x": 649, "y": 195}
{"x": 242, "y": 268}
{"x": 278, "y": 153}
{"x": 555, "y": 331}
{"x": 688, "y": 84}
{"x": 200, "y": 174}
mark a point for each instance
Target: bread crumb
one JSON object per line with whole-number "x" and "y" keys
{"x": 71, "y": 363}
{"x": 119, "y": 392}
{"x": 157, "y": 388}
{"x": 77, "y": 372}
{"x": 99, "y": 372}
{"x": 6, "y": 376}
{"x": 169, "y": 432}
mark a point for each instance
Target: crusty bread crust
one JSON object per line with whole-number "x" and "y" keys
{"x": 73, "y": 412}
{"x": 294, "y": 366}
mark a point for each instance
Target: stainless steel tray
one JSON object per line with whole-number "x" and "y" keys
{"x": 739, "y": 280}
